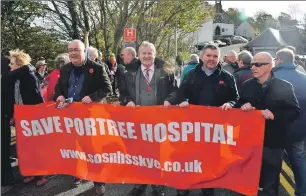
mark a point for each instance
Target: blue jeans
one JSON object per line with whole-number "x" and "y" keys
{"x": 98, "y": 184}
{"x": 296, "y": 154}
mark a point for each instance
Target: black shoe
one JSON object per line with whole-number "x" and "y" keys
{"x": 208, "y": 193}
{"x": 136, "y": 192}
{"x": 182, "y": 193}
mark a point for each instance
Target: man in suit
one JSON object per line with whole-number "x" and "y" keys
{"x": 277, "y": 101}
{"x": 148, "y": 81}
{"x": 82, "y": 80}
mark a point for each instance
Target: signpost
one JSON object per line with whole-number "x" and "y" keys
{"x": 129, "y": 34}
{"x": 129, "y": 37}
{"x": 130, "y": 44}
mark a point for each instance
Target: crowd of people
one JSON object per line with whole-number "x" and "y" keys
{"x": 261, "y": 82}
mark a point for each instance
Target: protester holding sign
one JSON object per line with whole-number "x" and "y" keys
{"x": 26, "y": 90}
{"x": 276, "y": 99}
{"x": 208, "y": 84}
{"x": 148, "y": 82}
{"x": 82, "y": 80}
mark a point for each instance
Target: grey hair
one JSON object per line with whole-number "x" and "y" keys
{"x": 291, "y": 48}
{"x": 61, "y": 60}
{"x": 194, "y": 57}
{"x": 232, "y": 52}
{"x": 286, "y": 55}
{"x": 146, "y": 44}
{"x": 131, "y": 51}
{"x": 246, "y": 57}
{"x": 93, "y": 51}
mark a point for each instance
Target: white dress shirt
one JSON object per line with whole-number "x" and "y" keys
{"x": 151, "y": 72}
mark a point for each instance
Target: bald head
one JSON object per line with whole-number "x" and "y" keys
{"x": 263, "y": 57}
{"x": 262, "y": 64}
{"x": 76, "y": 49}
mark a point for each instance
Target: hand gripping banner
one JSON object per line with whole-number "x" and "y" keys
{"x": 203, "y": 147}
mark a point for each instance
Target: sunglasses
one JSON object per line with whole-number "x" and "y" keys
{"x": 259, "y": 64}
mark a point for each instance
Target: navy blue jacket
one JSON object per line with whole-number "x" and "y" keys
{"x": 288, "y": 72}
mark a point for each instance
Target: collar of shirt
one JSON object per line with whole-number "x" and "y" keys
{"x": 143, "y": 68}
{"x": 208, "y": 72}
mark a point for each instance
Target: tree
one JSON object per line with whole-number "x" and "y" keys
{"x": 294, "y": 10}
{"x": 18, "y": 31}
{"x": 265, "y": 20}
{"x": 234, "y": 15}
{"x": 285, "y": 20}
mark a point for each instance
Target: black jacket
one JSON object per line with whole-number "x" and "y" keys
{"x": 166, "y": 83}
{"x": 29, "y": 88}
{"x": 216, "y": 89}
{"x": 96, "y": 82}
{"x": 110, "y": 76}
{"x": 119, "y": 75}
{"x": 241, "y": 75}
{"x": 278, "y": 97}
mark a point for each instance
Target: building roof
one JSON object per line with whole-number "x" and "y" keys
{"x": 244, "y": 24}
{"x": 275, "y": 38}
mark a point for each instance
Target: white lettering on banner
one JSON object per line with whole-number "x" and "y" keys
{"x": 112, "y": 127}
{"x": 90, "y": 126}
{"x": 37, "y": 128}
{"x": 230, "y": 136}
{"x": 138, "y": 160}
{"x": 131, "y": 130}
{"x": 79, "y": 128}
{"x": 146, "y": 132}
{"x": 101, "y": 125}
{"x": 122, "y": 129}
{"x": 26, "y": 130}
{"x": 57, "y": 124}
{"x": 187, "y": 128}
{"x": 47, "y": 124}
{"x": 172, "y": 128}
{"x": 160, "y": 132}
{"x": 219, "y": 134}
{"x": 68, "y": 124}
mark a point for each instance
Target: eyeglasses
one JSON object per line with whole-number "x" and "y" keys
{"x": 259, "y": 64}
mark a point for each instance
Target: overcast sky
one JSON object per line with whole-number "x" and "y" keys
{"x": 251, "y": 7}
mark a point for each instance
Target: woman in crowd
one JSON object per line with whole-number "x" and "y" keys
{"x": 51, "y": 79}
{"x": 26, "y": 90}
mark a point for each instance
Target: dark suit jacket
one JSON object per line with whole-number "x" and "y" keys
{"x": 279, "y": 98}
{"x": 166, "y": 83}
{"x": 96, "y": 82}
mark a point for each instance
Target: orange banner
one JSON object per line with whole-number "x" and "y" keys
{"x": 201, "y": 146}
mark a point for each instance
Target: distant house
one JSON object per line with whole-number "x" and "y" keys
{"x": 245, "y": 30}
{"x": 203, "y": 34}
{"x": 221, "y": 29}
{"x": 271, "y": 40}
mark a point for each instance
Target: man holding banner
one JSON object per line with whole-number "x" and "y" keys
{"x": 276, "y": 99}
{"x": 82, "y": 80}
{"x": 148, "y": 82}
{"x": 208, "y": 85}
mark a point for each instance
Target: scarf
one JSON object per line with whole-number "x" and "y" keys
{"x": 18, "y": 98}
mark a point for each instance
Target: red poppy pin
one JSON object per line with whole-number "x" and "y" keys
{"x": 221, "y": 82}
{"x": 91, "y": 70}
